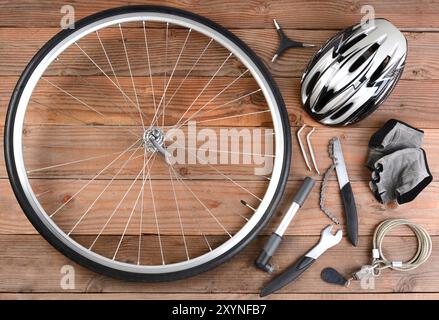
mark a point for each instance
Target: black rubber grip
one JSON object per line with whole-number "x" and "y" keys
{"x": 262, "y": 262}
{"x": 350, "y": 212}
{"x": 289, "y": 275}
{"x": 304, "y": 191}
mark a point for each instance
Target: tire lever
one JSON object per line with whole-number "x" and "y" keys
{"x": 327, "y": 240}
{"x": 270, "y": 247}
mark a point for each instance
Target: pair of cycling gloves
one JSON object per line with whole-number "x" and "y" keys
{"x": 398, "y": 163}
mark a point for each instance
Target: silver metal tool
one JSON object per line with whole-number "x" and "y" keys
{"x": 286, "y": 43}
{"x": 327, "y": 240}
{"x": 311, "y": 150}
{"x": 302, "y": 149}
{"x": 270, "y": 247}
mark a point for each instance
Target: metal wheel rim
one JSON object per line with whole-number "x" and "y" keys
{"x": 157, "y": 17}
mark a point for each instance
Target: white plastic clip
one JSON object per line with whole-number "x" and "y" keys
{"x": 375, "y": 253}
{"x": 396, "y": 264}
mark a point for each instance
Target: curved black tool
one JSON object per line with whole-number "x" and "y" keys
{"x": 286, "y": 43}
{"x": 347, "y": 194}
{"x": 291, "y": 274}
{"x": 327, "y": 240}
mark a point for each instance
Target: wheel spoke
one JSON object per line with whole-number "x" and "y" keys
{"x": 232, "y": 101}
{"x": 75, "y": 161}
{"x": 149, "y": 67}
{"x": 228, "y": 152}
{"x": 74, "y": 118}
{"x": 178, "y": 213}
{"x": 235, "y": 116}
{"x": 204, "y": 88}
{"x": 162, "y": 112}
{"x": 73, "y": 97}
{"x": 216, "y": 96}
{"x": 131, "y": 76}
{"x": 131, "y": 214}
{"x": 38, "y": 195}
{"x": 189, "y": 72}
{"x": 116, "y": 208}
{"x": 107, "y": 76}
{"x": 163, "y": 98}
{"x": 115, "y": 77}
{"x": 196, "y": 221}
{"x": 141, "y": 209}
{"x": 95, "y": 177}
{"x": 203, "y": 205}
{"x": 156, "y": 219}
{"x": 103, "y": 191}
{"x": 224, "y": 175}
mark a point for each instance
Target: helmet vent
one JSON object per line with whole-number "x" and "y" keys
{"x": 380, "y": 69}
{"x": 312, "y": 83}
{"x": 341, "y": 112}
{"x": 351, "y": 43}
{"x": 364, "y": 57}
{"x": 324, "y": 98}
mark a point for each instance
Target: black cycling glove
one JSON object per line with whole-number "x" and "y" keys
{"x": 394, "y": 135}
{"x": 401, "y": 175}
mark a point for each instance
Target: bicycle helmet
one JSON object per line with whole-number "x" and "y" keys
{"x": 354, "y": 72}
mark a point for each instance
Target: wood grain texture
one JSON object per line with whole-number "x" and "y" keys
{"x": 307, "y": 222}
{"x": 354, "y": 141}
{"x": 30, "y": 265}
{"x": 315, "y": 14}
{"x": 217, "y": 296}
{"x": 412, "y": 102}
{"x": 422, "y": 60}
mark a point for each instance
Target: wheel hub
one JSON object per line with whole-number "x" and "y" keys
{"x": 152, "y": 138}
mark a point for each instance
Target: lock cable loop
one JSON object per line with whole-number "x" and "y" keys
{"x": 423, "y": 252}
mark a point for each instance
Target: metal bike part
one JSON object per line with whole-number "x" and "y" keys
{"x": 366, "y": 271}
{"x": 286, "y": 43}
{"x": 153, "y": 140}
{"x": 311, "y": 150}
{"x": 243, "y": 202}
{"x": 347, "y": 194}
{"x": 139, "y": 229}
{"x": 327, "y": 240}
{"x": 302, "y": 149}
{"x": 324, "y": 187}
{"x": 270, "y": 247}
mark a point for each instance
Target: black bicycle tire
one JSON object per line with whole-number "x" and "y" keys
{"x": 72, "y": 254}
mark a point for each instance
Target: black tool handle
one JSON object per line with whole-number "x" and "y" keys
{"x": 270, "y": 247}
{"x": 351, "y": 213}
{"x": 289, "y": 275}
{"x": 304, "y": 191}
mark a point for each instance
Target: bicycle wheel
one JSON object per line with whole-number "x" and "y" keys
{"x": 131, "y": 140}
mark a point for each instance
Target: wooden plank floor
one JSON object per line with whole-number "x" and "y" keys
{"x": 31, "y": 269}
